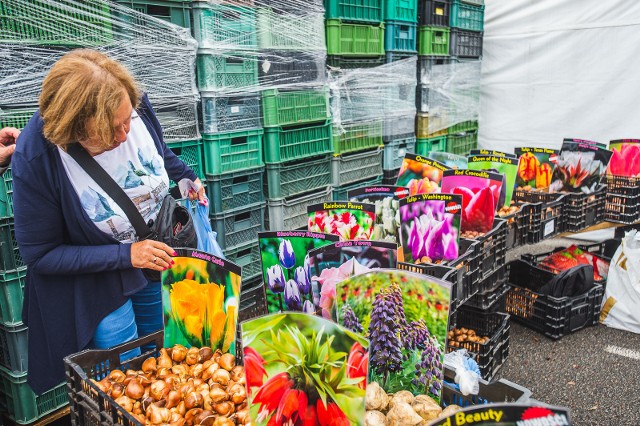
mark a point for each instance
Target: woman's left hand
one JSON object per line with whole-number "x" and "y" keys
{"x": 199, "y": 194}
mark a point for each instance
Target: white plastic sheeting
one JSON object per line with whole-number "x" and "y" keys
{"x": 559, "y": 68}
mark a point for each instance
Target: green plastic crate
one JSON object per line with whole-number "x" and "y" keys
{"x": 349, "y": 168}
{"x": 226, "y": 72}
{"x": 467, "y": 16}
{"x": 282, "y": 144}
{"x": 425, "y": 146}
{"x": 17, "y": 118}
{"x": 6, "y": 195}
{"x": 355, "y": 137}
{"x": 235, "y": 190}
{"x": 462, "y": 143}
{"x": 228, "y": 152}
{"x": 401, "y": 10}
{"x": 281, "y": 108}
{"x": 176, "y": 12}
{"x": 14, "y": 348}
{"x": 12, "y": 295}
{"x": 291, "y": 213}
{"x": 190, "y": 152}
{"x": 433, "y": 41}
{"x": 355, "y": 10}
{"x": 239, "y": 227}
{"x": 10, "y": 258}
{"x": 354, "y": 39}
{"x": 60, "y": 23}
{"x": 298, "y": 177}
{"x": 24, "y": 406}
{"x": 224, "y": 26}
{"x": 248, "y": 257}
{"x": 465, "y": 126}
{"x": 290, "y": 31}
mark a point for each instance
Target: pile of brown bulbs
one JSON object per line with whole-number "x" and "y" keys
{"x": 182, "y": 387}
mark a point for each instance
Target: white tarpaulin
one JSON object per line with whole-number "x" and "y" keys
{"x": 559, "y": 68}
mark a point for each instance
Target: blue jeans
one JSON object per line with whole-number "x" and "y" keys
{"x": 139, "y": 316}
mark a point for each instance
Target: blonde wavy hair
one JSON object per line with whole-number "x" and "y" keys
{"x": 84, "y": 85}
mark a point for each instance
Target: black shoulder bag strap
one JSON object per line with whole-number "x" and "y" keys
{"x": 106, "y": 182}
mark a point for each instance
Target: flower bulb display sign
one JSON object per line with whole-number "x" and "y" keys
{"x": 200, "y": 299}
{"x": 452, "y": 161}
{"x": 430, "y": 227}
{"x": 335, "y": 262}
{"x": 625, "y": 158}
{"x": 420, "y": 174}
{"x": 285, "y": 268}
{"x": 579, "y": 167}
{"x": 535, "y": 167}
{"x": 480, "y": 191}
{"x": 349, "y": 220}
{"x": 405, "y": 317}
{"x": 387, "y": 200}
{"x": 304, "y": 370}
{"x": 502, "y": 163}
{"x": 507, "y": 414}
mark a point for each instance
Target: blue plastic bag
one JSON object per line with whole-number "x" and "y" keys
{"x": 206, "y": 236}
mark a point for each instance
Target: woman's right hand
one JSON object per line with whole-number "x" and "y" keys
{"x": 151, "y": 254}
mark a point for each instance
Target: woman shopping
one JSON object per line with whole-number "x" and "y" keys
{"x": 85, "y": 287}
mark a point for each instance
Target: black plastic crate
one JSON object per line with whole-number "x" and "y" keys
{"x": 434, "y": 13}
{"x": 279, "y": 67}
{"x": 584, "y": 210}
{"x": 340, "y": 62}
{"x": 490, "y": 355}
{"x": 550, "y": 220}
{"x": 490, "y": 301}
{"x": 491, "y": 249}
{"x": 500, "y": 391}
{"x": 621, "y": 185}
{"x": 89, "y": 405}
{"x": 554, "y": 317}
{"x": 465, "y": 44}
{"x": 624, "y": 212}
{"x": 253, "y": 301}
{"x": 390, "y": 177}
{"x": 518, "y": 225}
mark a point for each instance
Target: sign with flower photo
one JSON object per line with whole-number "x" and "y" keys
{"x": 285, "y": 268}
{"x": 625, "y": 158}
{"x": 304, "y": 370}
{"x": 387, "y": 200}
{"x": 349, "y": 220}
{"x": 535, "y": 167}
{"x": 481, "y": 195}
{"x": 200, "y": 297}
{"x": 430, "y": 227}
{"x": 579, "y": 167}
{"x": 338, "y": 261}
{"x": 500, "y": 162}
{"x": 420, "y": 174}
{"x": 405, "y": 317}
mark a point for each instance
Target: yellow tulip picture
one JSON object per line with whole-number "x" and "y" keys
{"x": 201, "y": 294}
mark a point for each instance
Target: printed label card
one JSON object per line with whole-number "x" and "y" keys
{"x": 535, "y": 167}
{"x": 481, "y": 192}
{"x": 338, "y": 261}
{"x": 285, "y": 268}
{"x": 387, "y": 200}
{"x": 430, "y": 227}
{"x": 507, "y": 414}
{"x": 506, "y": 165}
{"x": 303, "y": 369}
{"x": 580, "y": 167}
{"x": 420, "y": 174}
{"x": 200, "y": 299}
{"x": 349, "y": 220}
{"x": 405, "y": 316}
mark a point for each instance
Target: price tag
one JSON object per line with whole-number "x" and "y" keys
{"x": 549, "y": 227}
{"x": 235, "y": 109}
{"x": 439, "y": 11}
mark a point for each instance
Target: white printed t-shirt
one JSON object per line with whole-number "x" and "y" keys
{"x": 137, "y": 167}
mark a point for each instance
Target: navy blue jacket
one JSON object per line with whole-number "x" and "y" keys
{"x": 76, "y": 274}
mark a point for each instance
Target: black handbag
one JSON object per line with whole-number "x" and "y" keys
{"x": 173, "y": 225}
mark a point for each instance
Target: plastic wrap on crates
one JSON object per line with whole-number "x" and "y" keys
{"x": 35, "y": 34}
{"x": 453, "y": 93}
{"x": 373, "y": 94}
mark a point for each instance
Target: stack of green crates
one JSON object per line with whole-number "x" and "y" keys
{"x": 400, "y": 26}
{"x": 21, "y": 403}
{"x": 355, "y": 33}
{"x": 297, "y": 153}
